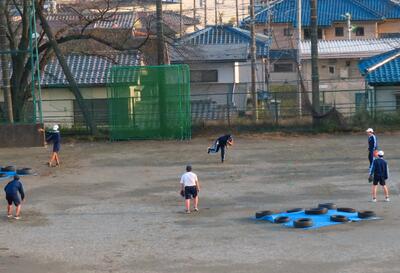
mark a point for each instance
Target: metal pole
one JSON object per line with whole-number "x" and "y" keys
{"x": 160, "y": 34}
{"x": 205, "y": 12}
{"x": 37, "y": 67}
{"x": 5, "y": 63}
{"x": 348, "y": 17}
{"x": 253, "y": 60}
{"x": 215, "y": 10}
{"x": 237, "y": 12}
{"x": 194, "y": 9}
{"x": 180, "y": 18}
{"x": 299, "y": 38}
{"x": 314, "y": 61}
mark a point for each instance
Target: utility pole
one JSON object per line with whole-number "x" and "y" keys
{"x": 314, "y": 61}
{"x": 160, "y": 33}
{"x": 5, "y": 62}
{"x": 237, "y": 13}
{"x": 299, "y": 38}
{"x": 180, "y": 18}
{"x": 348, "y": 18}
{"x": 205, "y": 12}
{"x": 194, "y": 9}
{"x": 216, "y": 13}
{"x": 253, "y": 60}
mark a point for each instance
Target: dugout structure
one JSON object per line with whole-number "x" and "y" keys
{"x": 149, "y": 102}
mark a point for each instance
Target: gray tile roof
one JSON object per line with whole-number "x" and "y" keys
{"x": 349, "y": 48}
{"x": 87, "y": 69}
{"x": 119, "y": 20}
{"x": 208, "y": 53}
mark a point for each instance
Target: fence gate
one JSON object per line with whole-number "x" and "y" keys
{"x": 149, "y": 102}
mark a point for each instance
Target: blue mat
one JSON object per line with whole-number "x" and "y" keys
{"x": 321, "y": 220}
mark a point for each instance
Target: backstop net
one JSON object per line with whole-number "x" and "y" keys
{"x": 149, "y": 102}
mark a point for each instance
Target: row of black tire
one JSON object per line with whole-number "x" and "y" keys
{"x": 321, "y": 209}
{"x": 21, "y": 171}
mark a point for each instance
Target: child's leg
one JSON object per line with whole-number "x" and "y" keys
{"x": 222, "y": 153}
{"x": 57, "y": 159}
{"x": 9, "y": 210}
{"x": 53, "y": 158}
{"x": 18, "y": 210}
{"x": 374, "y": 187}
{"x": 187, "y": 204}
{"x": 386, "y": 191}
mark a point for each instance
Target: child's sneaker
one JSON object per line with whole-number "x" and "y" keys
{"x": 387, "y": 199}
{"x": 208, "y": 150}
{"x": 196, "y": 209}
{"x": 187, "y": 211}
{"x": 17, "y": 217}
{"x": 9, "y": 216}
{"x": 373, "y": 200}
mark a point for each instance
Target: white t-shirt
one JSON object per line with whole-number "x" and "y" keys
{"x": 189, "y": 179}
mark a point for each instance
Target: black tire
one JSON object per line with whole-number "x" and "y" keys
{"x": 25, "y": 171}
{"x": 350, "y": 210}
{"x": 8, "y": 169}
{"x": 3, "y": 175}
{"x": 316, "y": 211}
{"x": 294, "y": 210}
{"x": 260, "y": 214}
{"x": 282, "y": 219}
{"x": 339, "y": 218}
{"x": 303, "y": 223}
{"x": 327, "y": 205}
{"x": 366, "y": 214}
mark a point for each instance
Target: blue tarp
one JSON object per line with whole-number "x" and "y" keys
{"x": 321, "y": 220}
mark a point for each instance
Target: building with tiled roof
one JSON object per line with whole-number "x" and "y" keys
{"x": 382, "y": 72}
{"x": 341, "y": 82}
{"x": 91, "y": 74}
{"x": 370, "y": 19}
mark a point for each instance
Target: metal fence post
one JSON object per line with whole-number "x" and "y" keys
{"x": 228, "y": 110}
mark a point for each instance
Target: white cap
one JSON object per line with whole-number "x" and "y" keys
{"x": 369, "y": 130}
{"x": 381, "y": 153}
{"x": 55, "y": 127}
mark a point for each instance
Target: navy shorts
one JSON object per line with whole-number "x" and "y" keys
{"x": 379, "y": 180}
{"x": 190, "y": 192}
{"x": 13, "y": 199}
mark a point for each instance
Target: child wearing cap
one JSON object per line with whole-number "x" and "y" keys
{"x": 12, "y": 189}
{"x": 372, "y": 145}
{"x": 379, "y": 173}
{"x": 54, "y": 137}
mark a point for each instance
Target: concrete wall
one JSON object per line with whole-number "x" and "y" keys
{"x": 21, "y": 135}
{"x": 386, "y": 98}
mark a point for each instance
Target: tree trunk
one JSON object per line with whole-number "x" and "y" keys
{"x": 72, "y": 83}
{"x": 5, "y": 63}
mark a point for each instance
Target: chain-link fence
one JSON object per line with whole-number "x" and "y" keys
{"x": 227, "y": 108}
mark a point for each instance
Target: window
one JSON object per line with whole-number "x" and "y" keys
{"x": 359, "y": 31}
{"x": 307, "y": 33}
{"x": 283, "y": 67}
{"x": 331, "y": 70}
{"x": 339, "y": 32}
{"x": 287, "y": 32}
{"x": 204, "y": 75}
{"x": 360, "y": 101}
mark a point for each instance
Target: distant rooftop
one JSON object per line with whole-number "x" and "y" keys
{"x": 349, "y": 48}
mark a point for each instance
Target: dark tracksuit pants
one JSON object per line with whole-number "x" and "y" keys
{"x": 222, "y": 147}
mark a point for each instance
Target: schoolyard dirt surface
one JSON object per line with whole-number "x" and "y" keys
{"x": 115, "y": 207}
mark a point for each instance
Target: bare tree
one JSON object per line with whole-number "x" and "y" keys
{"x": 17, "y": 17}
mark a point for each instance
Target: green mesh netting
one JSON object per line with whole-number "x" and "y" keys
{"x": 149, "y": 102}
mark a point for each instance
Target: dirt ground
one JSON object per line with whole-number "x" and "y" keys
{"x": 115, "y": 207}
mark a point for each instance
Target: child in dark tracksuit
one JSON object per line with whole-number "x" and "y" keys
{"x": 379, "y": 173}
{"x": 12, "y": 189}
{"x": 221, "y": 143}
{"x": 372, "y": 145}
{"x": 54, "y": 137}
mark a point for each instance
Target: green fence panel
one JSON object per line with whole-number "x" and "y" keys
{"x": 149, "y": 102}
